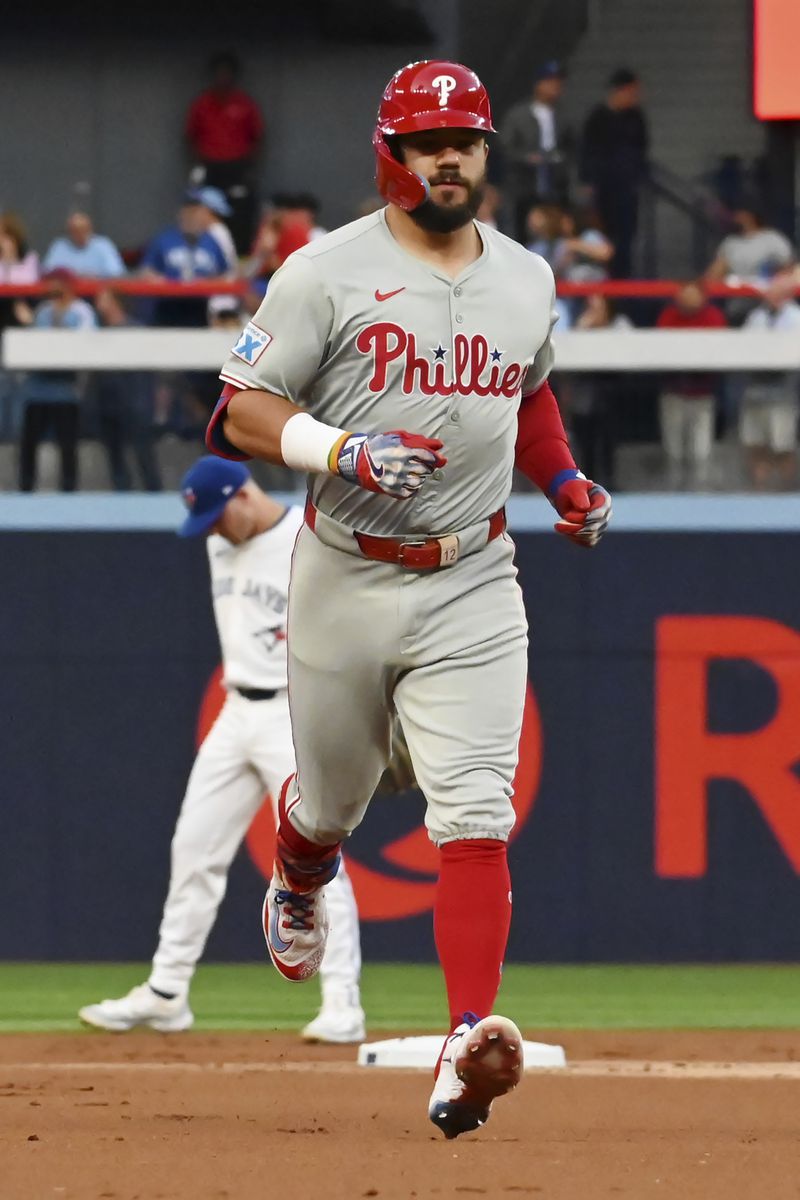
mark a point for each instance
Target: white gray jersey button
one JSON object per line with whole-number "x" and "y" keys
{"x": 459, "y": 318}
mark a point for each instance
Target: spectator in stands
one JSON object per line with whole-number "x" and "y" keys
{"x": 769, "y": 406}
{"x": 582, "y": 254}
{"x": 226, "y": 312}
{"x": 213, "y": 199}
{"x": 186, "y": 251}
{"x": 123, "y": 403}
{"x": 753, "y": 254}
{"x": 533, "y": 148}
{"x": 490, "y": 206}
{"x": 687, "y": 404}
{"x": 84, "y": 252}
{"x": 225, "y": 129}
{"x": 544, "y": 228}
{"x": 591, "y": 399}
{"x": 290, "y": 222}
{"x": 52, "y": 398}
{"x": 18, "y": 263}
{"x": 613, "y": 163}
{"x": 198, "y": 391}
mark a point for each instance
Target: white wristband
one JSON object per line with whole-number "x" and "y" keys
{"x": 306, "y": 443}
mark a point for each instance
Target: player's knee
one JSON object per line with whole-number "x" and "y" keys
{"x": 472, "y": 804}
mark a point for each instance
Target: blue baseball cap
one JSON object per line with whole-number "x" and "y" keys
{"x": 550, "y": 70}
{"x": 213, "y": 198}
{"x": 206, "y": 488}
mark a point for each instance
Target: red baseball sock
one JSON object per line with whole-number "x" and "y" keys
{"x": 471, "y": 919}
{"x": 304, "y": 864}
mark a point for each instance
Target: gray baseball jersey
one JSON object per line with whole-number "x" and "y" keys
{"x": 369, "y": 338}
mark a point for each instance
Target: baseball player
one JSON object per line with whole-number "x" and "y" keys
{"x": 247, "y": 753}
{"x": 402, "y": 362}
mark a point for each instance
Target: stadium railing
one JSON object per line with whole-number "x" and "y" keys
{"x": 150, "y": 348}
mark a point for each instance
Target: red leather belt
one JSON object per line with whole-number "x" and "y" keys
{"x": 425, "y": 554}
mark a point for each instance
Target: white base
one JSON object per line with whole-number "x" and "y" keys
{"x": 423, "y": 1052}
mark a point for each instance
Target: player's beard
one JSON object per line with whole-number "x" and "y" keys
{"x": 446, "y": 218}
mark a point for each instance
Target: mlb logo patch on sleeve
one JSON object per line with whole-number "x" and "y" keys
{"x": 252, "y": 343}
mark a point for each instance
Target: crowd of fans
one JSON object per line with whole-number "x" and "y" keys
{"x": 570, "y": 196}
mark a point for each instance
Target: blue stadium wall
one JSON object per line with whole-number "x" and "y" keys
{"x": 661, "y": 798}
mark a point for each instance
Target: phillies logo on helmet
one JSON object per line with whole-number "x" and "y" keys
{"x": 446, "y": 84}
{"x": 475, "y": 370}
{"x": 434, "y": 94}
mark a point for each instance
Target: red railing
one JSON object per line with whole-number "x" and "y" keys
{"x": 656, "y": 289}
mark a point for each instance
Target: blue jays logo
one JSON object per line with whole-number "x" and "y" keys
{"x": 189, "y": 497}
{"x": 252, "y": 343}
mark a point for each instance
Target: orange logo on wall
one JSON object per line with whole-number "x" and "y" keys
{"x": 689, "y": 755}
{"x": 386, "y": 895}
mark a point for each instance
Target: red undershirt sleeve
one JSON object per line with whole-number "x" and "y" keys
{"x": 542, "y": 451}
{"x": 216, "y": 442}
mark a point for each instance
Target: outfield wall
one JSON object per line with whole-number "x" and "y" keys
{"x": 658, "y": 790}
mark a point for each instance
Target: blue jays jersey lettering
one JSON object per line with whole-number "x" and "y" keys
{"x": 249, "y": 584}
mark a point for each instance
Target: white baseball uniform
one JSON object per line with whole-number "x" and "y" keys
{"x": 370, "y": 338}
{"x": 247, "y": 752}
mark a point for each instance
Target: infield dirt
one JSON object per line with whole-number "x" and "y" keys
{"x": 251, "y": 1117}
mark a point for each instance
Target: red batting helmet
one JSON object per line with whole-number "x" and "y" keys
{"x": 424, "y": 95}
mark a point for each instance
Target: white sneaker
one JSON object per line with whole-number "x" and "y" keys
{"x": 338, "y": 1021}
{"x": 480, "y": 1061}
{"x": 295, "y": 928}
{"x": 141, "y": 1006}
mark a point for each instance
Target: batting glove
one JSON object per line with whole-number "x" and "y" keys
{"x": 395, "y": 463}
{"x": 585, "y": 508}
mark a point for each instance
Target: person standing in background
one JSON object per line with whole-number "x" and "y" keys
{"x": 613, "y": 163}
{"x": 688, "y": 402}
{"x": 769, "y": 406}
{"x": 532, "y": 144}
{"x": 123, "y": 403}
{"x": 248, "y": 752}
{"x": 225, "y": 129}
{"x": 52, "y": 398}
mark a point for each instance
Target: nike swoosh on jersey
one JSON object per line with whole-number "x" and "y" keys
{"x": 388, "y": 295}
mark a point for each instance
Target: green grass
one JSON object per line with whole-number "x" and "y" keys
{"x": 46, "y": 996}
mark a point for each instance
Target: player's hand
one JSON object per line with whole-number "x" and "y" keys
{"x": 395, "y": 463}
{"x": 585, "y": 509}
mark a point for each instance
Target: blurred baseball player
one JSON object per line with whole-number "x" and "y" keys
{"x": 247, "y": 752}
{"x": 404, "y": 595}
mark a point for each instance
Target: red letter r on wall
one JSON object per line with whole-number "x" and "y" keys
{"x": 688, "y": 756}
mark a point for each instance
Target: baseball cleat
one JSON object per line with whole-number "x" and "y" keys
{"x": 295, "y": 927}
{"x": 339, "y": 1022}
{"x": 141, "y": 1006}
{"x": 480, "y": 1061}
